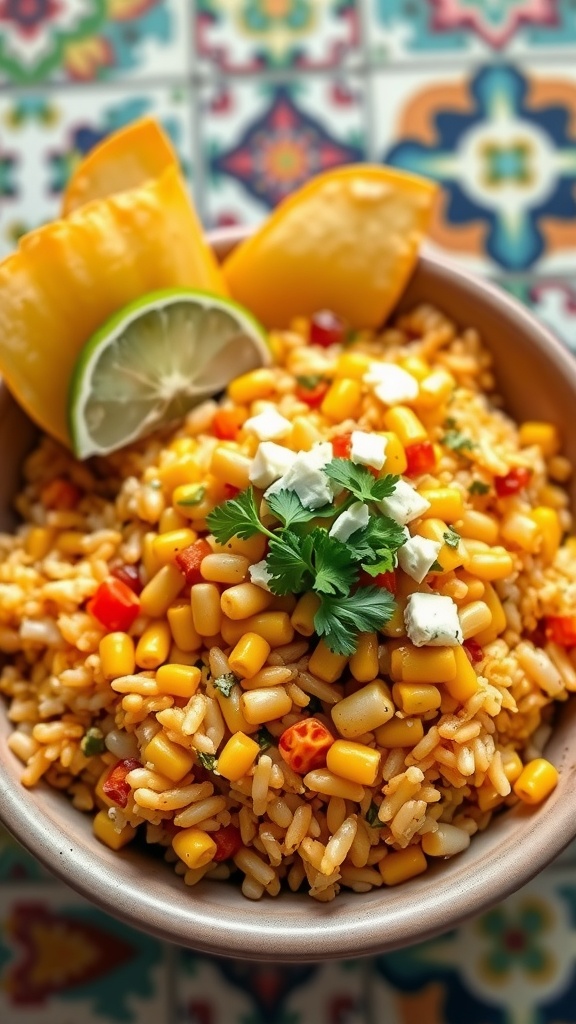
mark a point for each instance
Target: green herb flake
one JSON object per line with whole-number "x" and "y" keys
{"x": 372, "y": 816}
{"x": 340, "y": 619}
{"x": 237, "y": 517}
{"x": 457, "y": 441}
{"x": 359, "y": 481}
{"x": 195, "y": 495}
{"x": 225, "y": 683}
{"x": 264, "y": 738}
{"x": 478, "y": 487}
{"x": 309, "y": 381}
{"x": 436, "y": 567}
{"x": 92, "y": 743}
{"x": 208, "y": 761}
{"x": 451, "y": 537}
{"x": 314, "y": 706}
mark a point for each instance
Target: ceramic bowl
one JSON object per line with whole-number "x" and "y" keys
{"x": 538, "y": 380}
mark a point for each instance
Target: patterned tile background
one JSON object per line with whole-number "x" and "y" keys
{"x": 257, "y": 95}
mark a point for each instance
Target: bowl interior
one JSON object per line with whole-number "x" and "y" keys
{"x": 538, "y": 380}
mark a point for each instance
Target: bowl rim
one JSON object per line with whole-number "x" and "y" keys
{"x": 354, "y": 925}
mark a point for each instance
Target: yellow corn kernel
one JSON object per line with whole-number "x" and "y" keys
{"x": 232, "y": 713}
{"x": 274, "y": 627}
{"x": 265, "y": 705}
{"x": 536, "y": 781}
{"x": 364, "y": 661}
{"x": 221, "y": 568}
{"x": 550, "y": 530}
{"x": 488, "y": 797}
{"x": 436, "y": 388}
{"x": 230, "y": 466}
{"x": 206, "y": 612}
{"x": 400, "y": 732}
{"x": 521, "y": 530}
{"x": 416, "y": 698}
{"x": 545, "y": 435}
{"x": 395, "y": 460}
{"x": 498, "y": 624}
{"x": 302, "y": 617}
{"x": 117, "y": 657}
{"x": 167, "y": 757}
{"x": 475, "y": 586}
{"x": 181, "y": 625}
{"x": 512, "y": 765}
{"x": 178, "y": 680}
{"x": 363, "y": 711}
{"x": 447, "y": 841}
{"x": 167, "y": 545}
{"x": 405, "y": 424}
{"x": 465, "y": 683}
{"x": 237, "y": 757}
{"x": 105, "y": 831}
{"x": 172, "y": 520}
{"x": 448, "y": 557}
{"x": 352, "y": 364}
{"x": 161, "y": 591}
{"x": 176, "y": 656}
{"x": 244, "y": 600}
{"x": 423, "y": 665}
{"x": 184, "y": 470}
{"x": 353, "y": 761}
{"x": 325, "y": 664}
{"x": 492, "y": 564}
{"x": 195, "y": 847}
{"x": 445, "y": 503}
{"x": 303, "y": 435}
{"x": 149, "y": 560}
{"x": 400, "y": 865}
{"x": 39, "y": 540}
{"x": 153, "y": 646}
{"x": 321, "y": 780}
{"x": 70, "y": 542}
{"x": 249, "y": 655}
{"x": 342, "y": 399}
{"x": 193, "y": 501}
{"x": 183, "y": 445}
{"x": 477, "y": 526}
{"x": 474, "y": 618}
{"x": 417, "y": 366}
{"x": 251, "y": 386}
{"x": 396, "y": 627}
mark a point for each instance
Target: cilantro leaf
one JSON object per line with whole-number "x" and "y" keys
{"x": 288, "y": 508}
{"x": 457, "y": 441}
{"x": 289, "y": 563}
{"x": 359, "y": 480}
{"x": 381, "y": 534}
{"x": 372, "y": 816}
{"x": 386, "y": 562}
{"x": 92, "y": 742}
{"x": 334, "y": 563}
{"x": 237, "y": 517}
{"x": 264, "y": 738}
{"x": 451, "y": 537}
{"x": 208, "y": 761}
{"x": 226, "y": 683}
{"x": 478, "y": 487}
{"x": 340, "y": 619}
{"x": 436, "y": 567}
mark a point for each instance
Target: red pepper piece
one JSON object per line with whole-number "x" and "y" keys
{"x": 60, "y": 494}
{"x": 473, "y": 649}
{"x": 230, "y": 491}
{"x": 129, "y": 575}
{"x": 305, "y": 744}
{"x": 115, "y": 605}
{"x": 514, "y": 481}
{"x": 115, "y": 786}
{"x": 326, "y": 328}
{"x": 420, "y": 458}
{"x": 561, "y": 630}
{"x": 341, "y": 446}
{"x": 228, "y": 842}
{"x": 386, "y": 580}
{"x": 190, "y": 559}
{"x": 227, "y": 423}
{"x": 311, "y": 393}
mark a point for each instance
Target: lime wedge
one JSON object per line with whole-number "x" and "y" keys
{"x": 154, "y": 360}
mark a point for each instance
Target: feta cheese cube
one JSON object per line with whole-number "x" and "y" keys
{"x": 305, "y": 476}
{"x": 391, "y": 384}
{"x": 433, "y": 620}
{"x": 259, "y": 575}
{"x": 268, "y": 425}
{"x": 417, "y": 556}
{"x": 270, "y": 462}
{"x": 368, "y": 449}
{"x": 354, "y": 518}
{"x": 404, "y": 504}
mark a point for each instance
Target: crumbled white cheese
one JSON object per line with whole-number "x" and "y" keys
{"x": 417, "y": 556}
{"x": 404, "y": 504}
{"x": 433, "y": 620}
{"x": 270, "y": 462}
{"x": 268, "y": 425}
{"x": 305, "y": 476}
{"x": 354, "y": 518}
{"x": 391, "y": 384}
{"x": 368, "y": 449}
{"x": 259, "y": 575}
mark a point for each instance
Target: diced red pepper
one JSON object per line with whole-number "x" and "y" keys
{"x": 311, "y": 393}
{"x": 305, "y": 744}
{"x": 326, "y": 328}
{"x": 561, "y": 630}
{"x": 129, "y": 575}
{"x": 228, "y": 842}
{"x": 230, "y": 491}
{"x": 115, "y": 786}
{"x": 227, "y": 423}
{"x": 190, "y": 559}
{"x": 473, "y": 649}
{"x": 341, "y": 445}
{"x": 514, "y": 481}
{"x": 60, "y": 494}
{"x": 115, "y": 605}
{"x": 420, "y": 458}
{"x": 386, "y": 580}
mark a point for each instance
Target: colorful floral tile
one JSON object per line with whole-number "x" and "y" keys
{"x": 252, "y": 35}
{"x": 460, "y": 29}
{"x": 515, "y": 964}
{"x": 91, "y": 40}
{"x": 62, "y": 960}
{"x": 43, "y": 135}
{"x": 261, "y": 140}
{"x": 501, "y": 141}
{"x": 16, "y": 865}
